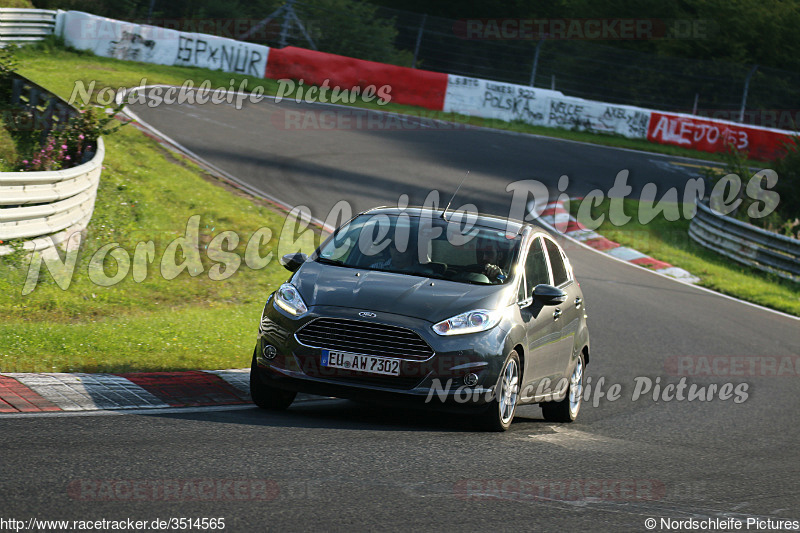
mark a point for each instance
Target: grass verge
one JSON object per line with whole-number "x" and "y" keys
{"x": 146, "y": 194}
{"x": 669, "y": 241}
{"x": 24, "y": 4}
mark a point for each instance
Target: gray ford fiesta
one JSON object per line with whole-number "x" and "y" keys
{"x": 458, "y": 310}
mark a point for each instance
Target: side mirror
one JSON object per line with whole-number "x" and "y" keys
{"x": 292, "y": 262}
{"x": 549, "y": 295}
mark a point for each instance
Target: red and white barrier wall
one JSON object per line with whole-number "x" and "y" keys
{"x": 716, "y": 135}
{"x": 408, "y": 86}
{"x": 431, "y": 90}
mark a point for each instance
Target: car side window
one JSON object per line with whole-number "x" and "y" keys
{"x": 560, "y": 272}
{"x": 535, "y": 269}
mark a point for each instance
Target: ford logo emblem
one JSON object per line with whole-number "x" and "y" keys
{"x": 367, "y": 314}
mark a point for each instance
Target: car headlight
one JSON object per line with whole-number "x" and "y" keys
{"x": 288, "y": 298}
{"x": 469, "y": 322}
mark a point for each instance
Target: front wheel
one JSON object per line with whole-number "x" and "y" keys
{"x": 567, "y": 409}
{"x": 500, "y": 413}
{"x": 265, "y": 396}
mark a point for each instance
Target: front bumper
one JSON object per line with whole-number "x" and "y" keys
{"x": 438, "y": 379}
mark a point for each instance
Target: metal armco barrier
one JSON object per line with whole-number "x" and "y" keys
{"x": 49, "y": 112}
{"x": 44, "y": 208}
{"x": 746, "y": 243}
{"x": 26, "y": 25}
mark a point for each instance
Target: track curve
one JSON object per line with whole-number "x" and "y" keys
{"x": 358, "y": 468}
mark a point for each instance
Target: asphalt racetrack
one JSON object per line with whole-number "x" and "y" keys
{"x": 336, "y": 465}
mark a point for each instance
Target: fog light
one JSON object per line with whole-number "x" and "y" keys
{"x": 269, "y": 351}
{"x": 470, "y": 380}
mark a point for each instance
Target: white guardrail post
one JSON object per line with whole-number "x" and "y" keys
{"x": 44, "y": 209}
{"x": 26, "y": 25}
{"x": 746, "y": 243}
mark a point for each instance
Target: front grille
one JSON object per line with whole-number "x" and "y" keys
{"x": 368, "y": 338}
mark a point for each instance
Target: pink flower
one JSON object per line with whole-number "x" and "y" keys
{"x": 67, "y": 158}
{"x": 63, "y": 146}
{"x": 80, "y": 136}
{"x": 24, "y": 161}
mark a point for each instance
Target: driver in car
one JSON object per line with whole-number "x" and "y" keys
{"x": 489, "y": 256}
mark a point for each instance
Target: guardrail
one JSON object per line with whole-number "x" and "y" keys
{"x": 49, "y": 112}
{"x": 746, "y": 243}
{"x": 43, "y": 209}
{"x": 26, "y": 25}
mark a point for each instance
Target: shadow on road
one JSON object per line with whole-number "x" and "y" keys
{"x": 355, "y": 416}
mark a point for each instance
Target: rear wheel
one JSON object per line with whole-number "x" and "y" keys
{"x": 567, "y": 409}
{"x": 265, "y": 396}
{"x": 500, "y": 413}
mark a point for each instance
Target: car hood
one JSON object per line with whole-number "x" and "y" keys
{"x": 426, "y": 298}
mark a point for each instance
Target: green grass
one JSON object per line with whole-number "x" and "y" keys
{"x": 189, "y": 322}
{"x": 213, "y": 336}
{"x": 669, "y": 241}
{"x": 17, "y": 4}
{"x": 8, "y": 150}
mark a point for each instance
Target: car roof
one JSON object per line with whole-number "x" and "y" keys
{"x": 489, "y": 221}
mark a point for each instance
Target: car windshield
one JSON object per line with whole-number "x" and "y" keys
{"x": 457, "y": 250}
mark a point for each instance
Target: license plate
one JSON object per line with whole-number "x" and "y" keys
{"x": 361, "y": 363}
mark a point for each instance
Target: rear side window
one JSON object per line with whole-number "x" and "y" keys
{"x": 560, "y": 274}
{"x": 535, "y": 269}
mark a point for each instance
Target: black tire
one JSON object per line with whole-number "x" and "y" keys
{"x": 566, "y": 410}
{"x": 265, "y": 396}
{"x": 500, "y": 412}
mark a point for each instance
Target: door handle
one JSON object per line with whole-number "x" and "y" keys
{"x": 556, "y": 313}
{"x": 578, "y": 302}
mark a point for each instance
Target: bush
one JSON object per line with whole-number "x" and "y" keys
{"x": 8, "y": 150}
{"x": 28, "y": 148}
{"x": 352, "y": 28}
{"x": 788, "y": 169}
{"x": 785, "y": 219}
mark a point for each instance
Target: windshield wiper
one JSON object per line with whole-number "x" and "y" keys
{"x": 326, "y": 261}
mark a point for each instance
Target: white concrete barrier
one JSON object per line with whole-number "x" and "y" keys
{"x": 497, "y": 100}
{"x": 542, "y": 107}
{"x": 151, "y": 44}
{"x": 598, "y": 117}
